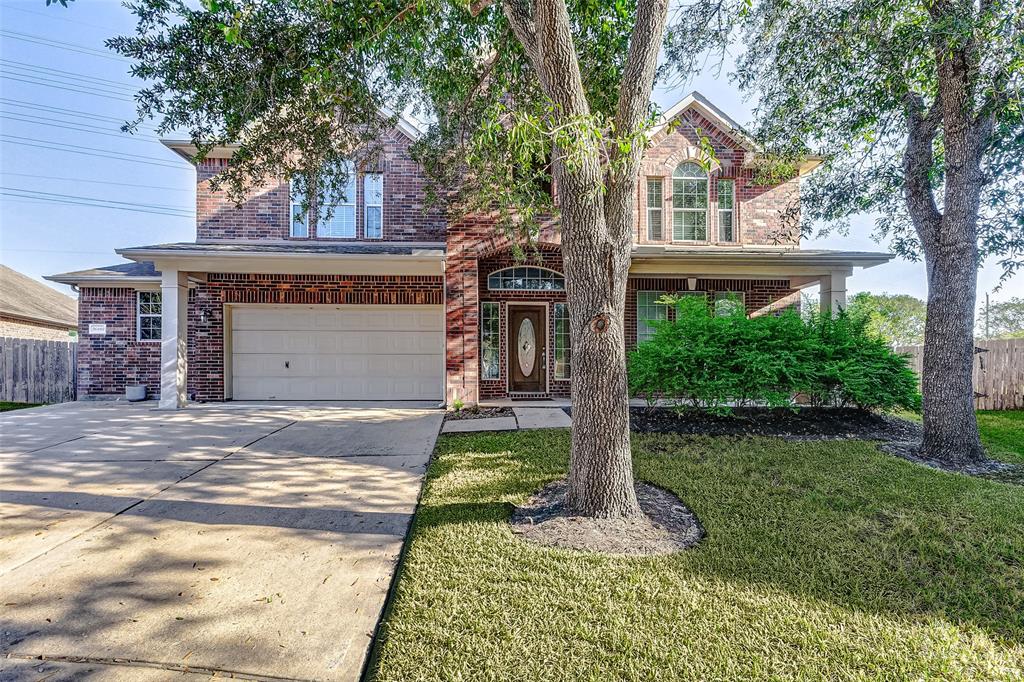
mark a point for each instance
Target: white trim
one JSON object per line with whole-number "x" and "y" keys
{"x": 367, "y": 205}
{"x": 554, "y": 304}
{"x": 481, "y": 338}
{"x": 139, "y": 315}
{"x": 508, "y": 347}
{"x": 710, "y": 112}
{"x": 292, "y": 212}
{"x": 515, "y": 267}
{"x": 706, "y": 179}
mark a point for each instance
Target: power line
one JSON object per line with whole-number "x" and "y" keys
{"x": 87, "y": 151}
{"x": 94, "y": 203}
{"x": 96, "y": 182}
{"x": 58, "y": 110}
{"x": 61, "y": 195}
{"x": 67, "y": 125}
{"x": 68, "y": 89}
{"x": 60, "y": 44}
{"x": 62, "y": 73}
{"x": 58, "y": 15}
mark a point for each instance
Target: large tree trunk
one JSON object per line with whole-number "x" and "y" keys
{"x": 950, "y": 426}
{"x": 596, "y": 269}
{"x": 597, "y": 203}
{"x": 949, "y": 239}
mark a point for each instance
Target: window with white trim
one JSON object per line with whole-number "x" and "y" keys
{"x": 726, "y": 210}
{"x": 563, "y": 355}
{"x": 299, "y": 216}
{"x": 341, "y": 204}
{"x": 490, "y": 340}
{"x": 655, "y": 222}
{"x": 689, "y": 203}
{"x": 525, "y": 278}
{"x": 729, "y": 303}
{"x": 373, "y": 205}
{"x": 148, "y": 316}
{"x": 648, "y": 310}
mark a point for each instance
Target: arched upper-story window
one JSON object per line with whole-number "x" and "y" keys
{"x": 689, "y": 202}
{"x": 525, "y": 278}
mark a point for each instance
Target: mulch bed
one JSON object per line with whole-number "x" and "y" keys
{"x": 478, "y": 413}
{"x": 667, "y": 525}
{"x": 807, "y": 423}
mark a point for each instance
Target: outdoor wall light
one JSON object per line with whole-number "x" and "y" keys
{"x": 691, "y": 283}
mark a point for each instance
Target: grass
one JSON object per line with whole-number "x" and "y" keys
{"x": 8, "y": 406}
{"x": 822, "y": 561}
{"x": 1002, "y": 432}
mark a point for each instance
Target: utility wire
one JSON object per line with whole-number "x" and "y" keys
{"x": 68, "y": 89}
{"x": 61, "y": 195}
{"x": 87, "y": 151}
{"x": 60, "y": 44}
{"x": 56, "y": 123}
{"x": 93, "y": 203}
{"x": 96, "y": 182}
{"x": 62, "y": 73}
{"x": 59, "y": 16}
{"x": 58, "y": 110}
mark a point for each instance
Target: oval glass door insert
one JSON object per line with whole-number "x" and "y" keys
{"x": 527, "y": 345}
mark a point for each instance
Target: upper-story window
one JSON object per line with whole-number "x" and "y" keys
{"x": 525, "y": 278}
{"x": 726, "y": 210}
{"x": 654, "y": 209}
{"x": 299, "y": 216}
{"x": 689, "y": 203}
{"x": 373, "y": 199}
{"x": 341, "y": 204}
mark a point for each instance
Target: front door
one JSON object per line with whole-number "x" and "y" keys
{"x": 527, "y": 357}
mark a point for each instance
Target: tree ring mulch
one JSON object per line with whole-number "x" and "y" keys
{"x": 986, "y": 468}
{"x": 667, "y": 525}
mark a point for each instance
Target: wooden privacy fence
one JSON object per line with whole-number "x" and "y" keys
{"x": 998, "y": 372}
{"x": 36, "y": 371}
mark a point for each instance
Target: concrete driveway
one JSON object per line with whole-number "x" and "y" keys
{"x": 257, "y": 540}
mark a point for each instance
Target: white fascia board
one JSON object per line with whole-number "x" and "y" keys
{"x": 109, "y": 280}
{"x": 292, "y": 263}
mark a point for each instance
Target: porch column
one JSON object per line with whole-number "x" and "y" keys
{"x": 174, "y": 346}
{"x": 833, "y": 291}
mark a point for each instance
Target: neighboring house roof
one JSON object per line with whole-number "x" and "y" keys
{"x": 140, "y": 272}
{"x": 27, "y": 299}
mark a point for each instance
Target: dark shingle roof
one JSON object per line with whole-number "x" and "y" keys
{"x": 26, "y": 298}
{"x": 121, "y": 271}
{"x": 342, "y": 248}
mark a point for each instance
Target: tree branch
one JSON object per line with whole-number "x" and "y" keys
{"x": 918, "y": 160}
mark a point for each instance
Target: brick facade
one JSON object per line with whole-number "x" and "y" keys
{"x": 765, "y": 215}
{"x": 264, "y": 215}
{"x": 109, "y": 363}
{"x": 15, "y": 328}
{"x": 758, "y": 294}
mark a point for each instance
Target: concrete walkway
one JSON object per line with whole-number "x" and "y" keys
{"x": 256, "y": 540}
{"x": 525, "y": 418}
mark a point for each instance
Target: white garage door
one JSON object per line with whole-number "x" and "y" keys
{"x": 356, "y": 352}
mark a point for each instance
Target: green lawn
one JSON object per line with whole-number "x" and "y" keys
{"x": 822, "y": 561}
{"x": 1003, "y": 433}
{"x": 7, "y": 407}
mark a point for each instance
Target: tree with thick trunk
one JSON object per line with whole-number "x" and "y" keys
{"x": 524, "y": 95}
{"x": 917, "y": 107}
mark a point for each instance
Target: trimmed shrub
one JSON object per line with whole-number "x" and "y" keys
{"x": 713, "y": 362}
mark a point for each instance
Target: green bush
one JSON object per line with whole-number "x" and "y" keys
{"x": 712, "y": 362}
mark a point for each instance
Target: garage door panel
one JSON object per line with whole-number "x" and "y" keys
{"x": 338, "y": 352}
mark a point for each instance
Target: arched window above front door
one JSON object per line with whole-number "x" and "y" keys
{"x": 525, "y": 278}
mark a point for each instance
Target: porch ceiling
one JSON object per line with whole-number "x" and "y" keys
{"x": 749, "y": 262}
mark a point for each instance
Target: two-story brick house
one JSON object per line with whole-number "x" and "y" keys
{"x": 392, "y": 300}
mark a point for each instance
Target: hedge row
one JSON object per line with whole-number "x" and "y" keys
{"x": 705, "y": 361}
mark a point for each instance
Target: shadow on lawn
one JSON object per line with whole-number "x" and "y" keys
{"x": 838, "y": 522}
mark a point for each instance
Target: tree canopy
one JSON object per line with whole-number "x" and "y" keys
{"x": 1002, "y": 319}
{"x": 897, "y": 318}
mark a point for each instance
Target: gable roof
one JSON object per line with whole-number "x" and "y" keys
{"x": 186, "y": 150}
{"x": 28, "y": 299}
{"x": 133, "y": 272}
{"x": 703, "y": 105}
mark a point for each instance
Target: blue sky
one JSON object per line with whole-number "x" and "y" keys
{"x": 62, "y": 97}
